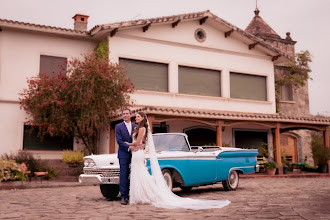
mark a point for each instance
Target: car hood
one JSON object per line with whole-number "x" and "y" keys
{"x": 104, "y": 160}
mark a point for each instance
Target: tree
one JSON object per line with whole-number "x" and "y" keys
{"x": 79, "y": 103}
{"x": 296, "y": 73}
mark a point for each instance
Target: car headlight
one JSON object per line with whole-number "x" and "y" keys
{"x": 89, "y": 162}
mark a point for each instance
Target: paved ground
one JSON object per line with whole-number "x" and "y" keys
{"x": 256, "y": 198}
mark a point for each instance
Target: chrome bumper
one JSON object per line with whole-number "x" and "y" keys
{"x": 97, "y": 179}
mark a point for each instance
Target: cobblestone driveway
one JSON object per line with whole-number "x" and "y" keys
{"x": 256, "y": 198}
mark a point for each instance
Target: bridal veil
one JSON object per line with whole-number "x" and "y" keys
{"x": 166, "y": 198}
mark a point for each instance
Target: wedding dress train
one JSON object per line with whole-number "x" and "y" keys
{"x": 152, "y": 189}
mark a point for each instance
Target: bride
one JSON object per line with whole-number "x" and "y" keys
{"x": 152, "y": 189}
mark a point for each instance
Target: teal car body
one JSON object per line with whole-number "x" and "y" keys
{"x": 194, "y": 166}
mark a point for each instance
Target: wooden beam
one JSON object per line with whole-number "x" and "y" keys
{"x": 203, "y": 20}
{"x": 113, "y": 32}
{"x": 326, "y": 137}
{"x": 175, "y": 23}
{"x": 112, "y": 144}
{"x": 326, "y": 142}
{"x": 145, "y": 28}
{"x": 276, "y": 57}
{"x": 219, "y": 132}
{"x": 277, "y": 139}
{"x": 228, "y": 33}
{"x": 176, "y": 118}
{"x": 151, "y": 119}
{"x": 251, "y": 46}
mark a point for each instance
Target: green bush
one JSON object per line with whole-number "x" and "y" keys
{"x": 309, "y": 168}
{"x": 321, "y": 154}
{"x": 270, "y": 165}
{"x": 73, "y": 157}
{"x": 10, "y": 170}
{"x": 32, "y": 164}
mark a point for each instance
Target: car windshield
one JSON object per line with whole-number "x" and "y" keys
{"x": 170, "y": 142}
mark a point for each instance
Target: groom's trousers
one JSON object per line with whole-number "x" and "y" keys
{"x": 124, "y": 177}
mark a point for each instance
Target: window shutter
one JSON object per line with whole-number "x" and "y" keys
{"x": 199, "y": 81}
{"x": 287, "y": 92}
{"x": 52, "y": 66}
{"x": 244, "y": 86}
{"x": 147, "y": 75}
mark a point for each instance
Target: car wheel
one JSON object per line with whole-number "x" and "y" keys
{"x": 109, "y": 191}
{"x": 168, "y": 178}
{"x": 186, "y": 188}
{"x": 232, "y": 182}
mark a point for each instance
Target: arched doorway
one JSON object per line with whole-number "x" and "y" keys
{"x": 199, "y": 136}
{"x": 289, "y": 148}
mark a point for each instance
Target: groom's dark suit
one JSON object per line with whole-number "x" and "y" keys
{"x": 124, "y": 157}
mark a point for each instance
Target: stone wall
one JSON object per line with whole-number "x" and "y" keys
{"x": 299, "y": 106}
{"x": 284, "y": 45}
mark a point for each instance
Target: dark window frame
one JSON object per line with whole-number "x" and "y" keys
{"x": 288, "y": 95}
{"x": 31, "y": 141}
{"x": 52, "y": 65}
{"x": 182, "y": 88}
{"x": 154, "y": 85}
{"x": 234, "y": 130}
{"x": 245, "y": 95}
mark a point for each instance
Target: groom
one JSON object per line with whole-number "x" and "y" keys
{"x": 124, "y": 132}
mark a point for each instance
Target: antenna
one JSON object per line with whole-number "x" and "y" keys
{"x": 136, "y": 16}
{"x": 256, "y": 12}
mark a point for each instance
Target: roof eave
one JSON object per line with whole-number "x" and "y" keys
{"x": 223, "y": 115}
{"x": 21, "y": 26}
{"x": 276, "y": 55}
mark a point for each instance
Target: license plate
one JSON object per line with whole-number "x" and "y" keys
{"x": 110, "y": 180}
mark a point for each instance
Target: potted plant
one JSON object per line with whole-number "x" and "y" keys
{"x": 73, "y": 158}
{"x": 321, "y": 154}
{"x": 270, "y": 167}
{"x": 284, "y": 162}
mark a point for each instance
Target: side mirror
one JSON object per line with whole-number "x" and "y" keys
{"x": 199, "y": 149}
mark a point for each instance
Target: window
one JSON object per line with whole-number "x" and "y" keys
{"x": 244, "y": 86}
{"x": 52, "y": 66}
{"x": 147, "y": 75}
{"x": 165, "y": 142}
{"x": 287, "y": 92}
{"x": 200, "y": 35}
{"x": 200, "y": 136}
{"x": 160, "y": 128}
{"x": 31, "y": 141}
{"x": 199, "y": 81}
{"x": 251, "y": 139}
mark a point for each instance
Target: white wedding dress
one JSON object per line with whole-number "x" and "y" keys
{"x": 152, "y": 189}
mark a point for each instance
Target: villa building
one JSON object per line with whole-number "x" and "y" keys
{"x": 194, "y": 73}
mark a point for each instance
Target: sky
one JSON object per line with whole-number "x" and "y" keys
{"x": 306, "y": 20}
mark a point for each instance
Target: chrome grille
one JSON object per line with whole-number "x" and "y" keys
{"x": 103, "y": 172}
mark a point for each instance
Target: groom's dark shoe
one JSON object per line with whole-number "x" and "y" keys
{"x": 124, "y": 201}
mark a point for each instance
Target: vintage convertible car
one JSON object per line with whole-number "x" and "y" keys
{"x": 182, "y": 165}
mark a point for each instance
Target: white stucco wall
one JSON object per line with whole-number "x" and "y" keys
{"x": 177, "y": 46}
{"x": 20, "y": 59}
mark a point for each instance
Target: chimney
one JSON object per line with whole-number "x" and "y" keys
{"x": 80, "y": 22}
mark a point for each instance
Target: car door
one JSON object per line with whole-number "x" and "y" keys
{"x": 202, "y": 168}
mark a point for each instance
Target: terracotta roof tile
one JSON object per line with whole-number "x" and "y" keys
{"x": 45, "y": 27}
{"x": 229, "y": 115}
{"x": 140, "y": 22}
